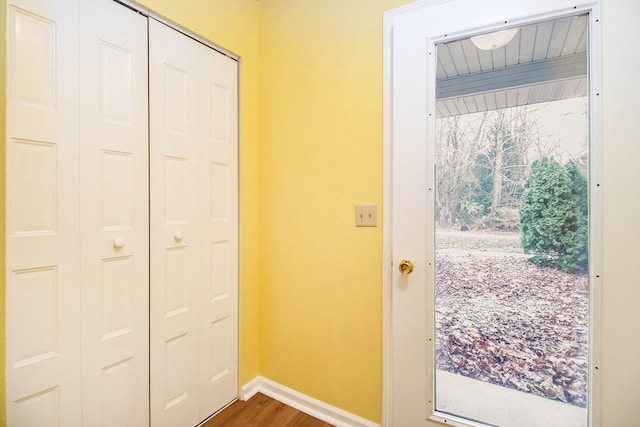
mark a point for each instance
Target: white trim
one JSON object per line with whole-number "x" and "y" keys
{"x": 173, "y": 24}
{"x": 595, "y": 212}
{"x": 303, "y": 403}
{"x": 387, "y": 211}
{"x": 250, "y": 389}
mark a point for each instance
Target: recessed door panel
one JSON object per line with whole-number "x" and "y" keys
{"x": 118, "y": 394}
{"x": 35, "y": 202}
{"x": 219, "y": 113}
{"x": 176, "y": 99}
{"x": 219, "y": 335}
{"x": 117, "y": 299}
{"x": 35, "y": 291}
{"x": 220, "y": 269}
{"x": 220, "y": 189}
{"x": 33, "y": 59}
{"x": 118, "y": 192}
{"x": 40, "y": 409}
{"x": 116, "y": 80}
{"x": 176, "y": 289}
{"x": 175, "y": 190}
{"x": 177, "y": 370}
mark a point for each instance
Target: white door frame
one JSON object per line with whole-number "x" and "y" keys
{"x": 406, "y": 119}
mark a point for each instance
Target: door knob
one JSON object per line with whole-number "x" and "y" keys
{"x": 405, "y": 267}
{"x": 179, "y": 235}
{"x": 118, "y": 243}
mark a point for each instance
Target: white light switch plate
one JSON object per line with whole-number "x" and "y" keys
{"x": 366, "y": 215}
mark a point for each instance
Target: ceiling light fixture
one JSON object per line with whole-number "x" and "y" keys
{"x": 495, "y": 40}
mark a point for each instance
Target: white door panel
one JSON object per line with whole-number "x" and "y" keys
{"x": 114, "y": 214}
{"x": 175, "y": 228}
{"x": 42, "y": 261}
{"x": 219, "y": 243}
{"x": 194, "y": 228}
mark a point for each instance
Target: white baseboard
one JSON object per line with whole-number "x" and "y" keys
{"x": 303, "y": 403}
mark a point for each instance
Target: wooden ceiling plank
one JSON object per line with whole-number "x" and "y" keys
{"x": 558, "y": 37}
{"x": 541, "y": 43}
{"x": 520, "y": 75}
{"x": 471, "y": 56}
{"x": 576, "y": 33}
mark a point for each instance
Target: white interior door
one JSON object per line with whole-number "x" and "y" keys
{"x": 175, "y": 226}
{"x": 85, "y": 195}
{"x": 194, "y": 235}
{"x": 114, "y": 193}
{"x": 413, "y": 33}
{"x": 42, "y": 261}
{"x": 219, "y": 237}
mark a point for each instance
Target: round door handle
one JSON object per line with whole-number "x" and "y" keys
{"x": 179, "y": 235}
{"x": 118, "y": 243}
{"x": 405, "y": 267}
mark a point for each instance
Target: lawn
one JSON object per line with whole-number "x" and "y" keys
{"x": 505, "y": 321}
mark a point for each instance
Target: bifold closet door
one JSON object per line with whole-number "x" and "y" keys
{"x": 77, "y": 214}
{"x": 42, "y": 258}
{"x": 194, "y": 228}
{"x": 87, "y": 241}
{"x": 114, "y": 214}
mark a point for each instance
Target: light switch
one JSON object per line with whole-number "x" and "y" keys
{"x": 366, "y": 215}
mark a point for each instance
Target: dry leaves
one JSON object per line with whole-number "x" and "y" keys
{"x": 503, "y": 320}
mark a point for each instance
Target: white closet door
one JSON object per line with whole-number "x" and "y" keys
{"x": 42, "y": 263}
{"x": 219, "y": 237}
{"x": 114, "y": 193}
{"x": 194, "y": 228}
{"x": 175, "y": 226}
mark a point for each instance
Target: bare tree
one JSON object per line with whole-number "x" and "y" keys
{"x": 481, "y": 164}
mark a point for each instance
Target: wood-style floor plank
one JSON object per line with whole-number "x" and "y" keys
{"x": 263, "y": 411}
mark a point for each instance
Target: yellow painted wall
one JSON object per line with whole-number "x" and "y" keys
{"x": 321, "y": 153}
{"x": 234, "y": 25}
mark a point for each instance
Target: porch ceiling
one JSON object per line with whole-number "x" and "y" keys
{"x": 544, "y": 62}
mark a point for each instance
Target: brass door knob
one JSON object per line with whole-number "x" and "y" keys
{"x": 405, "y": 267}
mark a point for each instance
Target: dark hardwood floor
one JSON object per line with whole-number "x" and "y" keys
{"x": 263, "y": 411}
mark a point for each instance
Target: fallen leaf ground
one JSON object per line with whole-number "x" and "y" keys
{"x": 505, "y": 321}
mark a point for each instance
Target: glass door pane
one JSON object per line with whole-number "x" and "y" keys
{"x": 512, "y": 219}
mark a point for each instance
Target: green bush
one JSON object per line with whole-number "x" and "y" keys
{"x": 554, "y": 215}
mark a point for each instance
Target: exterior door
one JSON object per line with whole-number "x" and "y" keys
{"x": 194, "y": 236}
{"x": 114, "y": 211}
{"x": 42, "y": 254}
{"x": 412, "y": 36}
